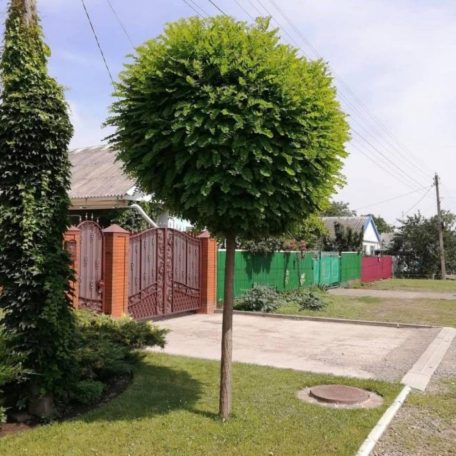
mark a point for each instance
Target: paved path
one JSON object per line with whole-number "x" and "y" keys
{"x": 358, "y": 292}
{"x": 332, "y": 348}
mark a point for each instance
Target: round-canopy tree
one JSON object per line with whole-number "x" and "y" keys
{"x": 34, "y": 177}
{"x": 232, "y": 130}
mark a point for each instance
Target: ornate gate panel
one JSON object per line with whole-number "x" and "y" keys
{"x": 91, "y": 266}
{"x": 164, "y": 273}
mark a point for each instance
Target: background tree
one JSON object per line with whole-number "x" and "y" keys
{"x": 416, "y": 246}
{"x": 34, "y": 177}
{"x": 382, "y": 225}
{"x": 345, "y": 240}
{"x": 232, "y": 130}
{"x": 338, "y": 209}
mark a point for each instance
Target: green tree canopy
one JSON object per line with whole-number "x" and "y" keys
{"x": 231, "y": 130}
{"x": 229, "y": 127}
{"x": 416, "y": 245}
{"x": 34, "y": 177}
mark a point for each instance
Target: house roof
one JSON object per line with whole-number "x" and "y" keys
{"x": 96, "y": 174}
{"x": 357, "y": 224}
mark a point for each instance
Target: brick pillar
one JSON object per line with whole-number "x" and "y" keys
{"x": 116, "y": 242}
{"x": 208, "y": 273}
{"x": 72, "y": 244}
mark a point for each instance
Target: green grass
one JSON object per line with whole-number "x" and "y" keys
{"x": 171, "y": 409}
{"x": 444, "y": 286}
{"x": 421, "y": 311}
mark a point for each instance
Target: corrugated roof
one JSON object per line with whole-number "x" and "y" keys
{"x": 357, "y": 224}
{"x": 96, "y": 174}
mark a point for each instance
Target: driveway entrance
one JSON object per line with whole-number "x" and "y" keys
{"x": 332, "y": 348}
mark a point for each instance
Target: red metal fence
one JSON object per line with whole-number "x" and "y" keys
{"x": 376, "y": 268}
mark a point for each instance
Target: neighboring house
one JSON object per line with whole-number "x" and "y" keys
{"x": 98, "y": 182}
{"x": 372, "y": 241}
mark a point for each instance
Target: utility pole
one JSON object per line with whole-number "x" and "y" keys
{"x": 440, "y": 227}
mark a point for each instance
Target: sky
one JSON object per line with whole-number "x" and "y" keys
{"x": 393, "y": 64}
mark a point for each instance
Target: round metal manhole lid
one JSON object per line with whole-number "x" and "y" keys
{"x": 339, "y": 394}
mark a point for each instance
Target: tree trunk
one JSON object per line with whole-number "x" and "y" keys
{"x": 227, "y": 331}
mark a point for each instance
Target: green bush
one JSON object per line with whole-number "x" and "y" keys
{"x": 259, "y": 298}
{"x": 108, "y": 347}
{"x": 87, "y": 391}
{"x": 11, "y": 370}
{"x": 306, "y": 299}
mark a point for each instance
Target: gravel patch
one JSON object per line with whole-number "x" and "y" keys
{"x": 418, "y": 429}
{"x": 395, "y": 364}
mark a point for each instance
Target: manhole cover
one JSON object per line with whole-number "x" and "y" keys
{"x": 339, "y": 394}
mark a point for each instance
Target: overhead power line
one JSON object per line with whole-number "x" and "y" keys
{"x": 375, "y": 119}
{"x": 114, "y": 12}
{"x": 97, "y": 41}
{"x": 419, "y": 201}
{"x": 218, "y": 7}
{"x": 378, "y": 203}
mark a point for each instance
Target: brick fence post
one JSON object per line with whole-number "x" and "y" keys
{"x": 116, "y": 241}
{"x": 208, "y": 273}
{"x": 72, "y": 244}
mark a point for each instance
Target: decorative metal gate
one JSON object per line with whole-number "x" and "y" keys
{"x": 91, "y": 266}
{"x": 164, "y": 274}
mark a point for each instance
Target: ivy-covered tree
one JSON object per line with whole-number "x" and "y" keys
{"x": 34, "y": 177}
{"x": 231, "y": 130}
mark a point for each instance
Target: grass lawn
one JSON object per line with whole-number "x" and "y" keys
{"x": 444, "y": 286}
{"x": 171, "y": 409}
{"x": 421, "y": 311}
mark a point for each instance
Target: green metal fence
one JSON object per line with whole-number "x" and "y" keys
{"x": 280, "y": 270}
{"x": 350, "y": 266}
{"x": 288, "y": 270}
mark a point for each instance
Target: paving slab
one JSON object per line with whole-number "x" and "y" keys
{"x": 392, "y": 294}
{"x": 420, "y": 374}
{"x": 324, "y": 347}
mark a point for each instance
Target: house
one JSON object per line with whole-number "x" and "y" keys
{"x": 372, "y": 241}
{"x": 98, "y": 182}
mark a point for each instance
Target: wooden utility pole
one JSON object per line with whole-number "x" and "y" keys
{"x": 440, "y": 227}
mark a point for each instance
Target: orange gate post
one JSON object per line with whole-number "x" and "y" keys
{"x": 208, "y": 273}
{"x": 116, "y": 270}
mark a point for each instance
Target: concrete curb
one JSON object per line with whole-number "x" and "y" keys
{"x": 330, "y": 320}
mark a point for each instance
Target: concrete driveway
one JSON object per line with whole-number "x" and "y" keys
{"x": 333, "y": 348}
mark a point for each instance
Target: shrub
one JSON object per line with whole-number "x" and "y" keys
{"x": 87, "y": 391}
{"x": 306, "y": 299}
{"x": 11, "y": 370}
{"x": 259, "y": 298}
{"x": 108, "y": 347}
